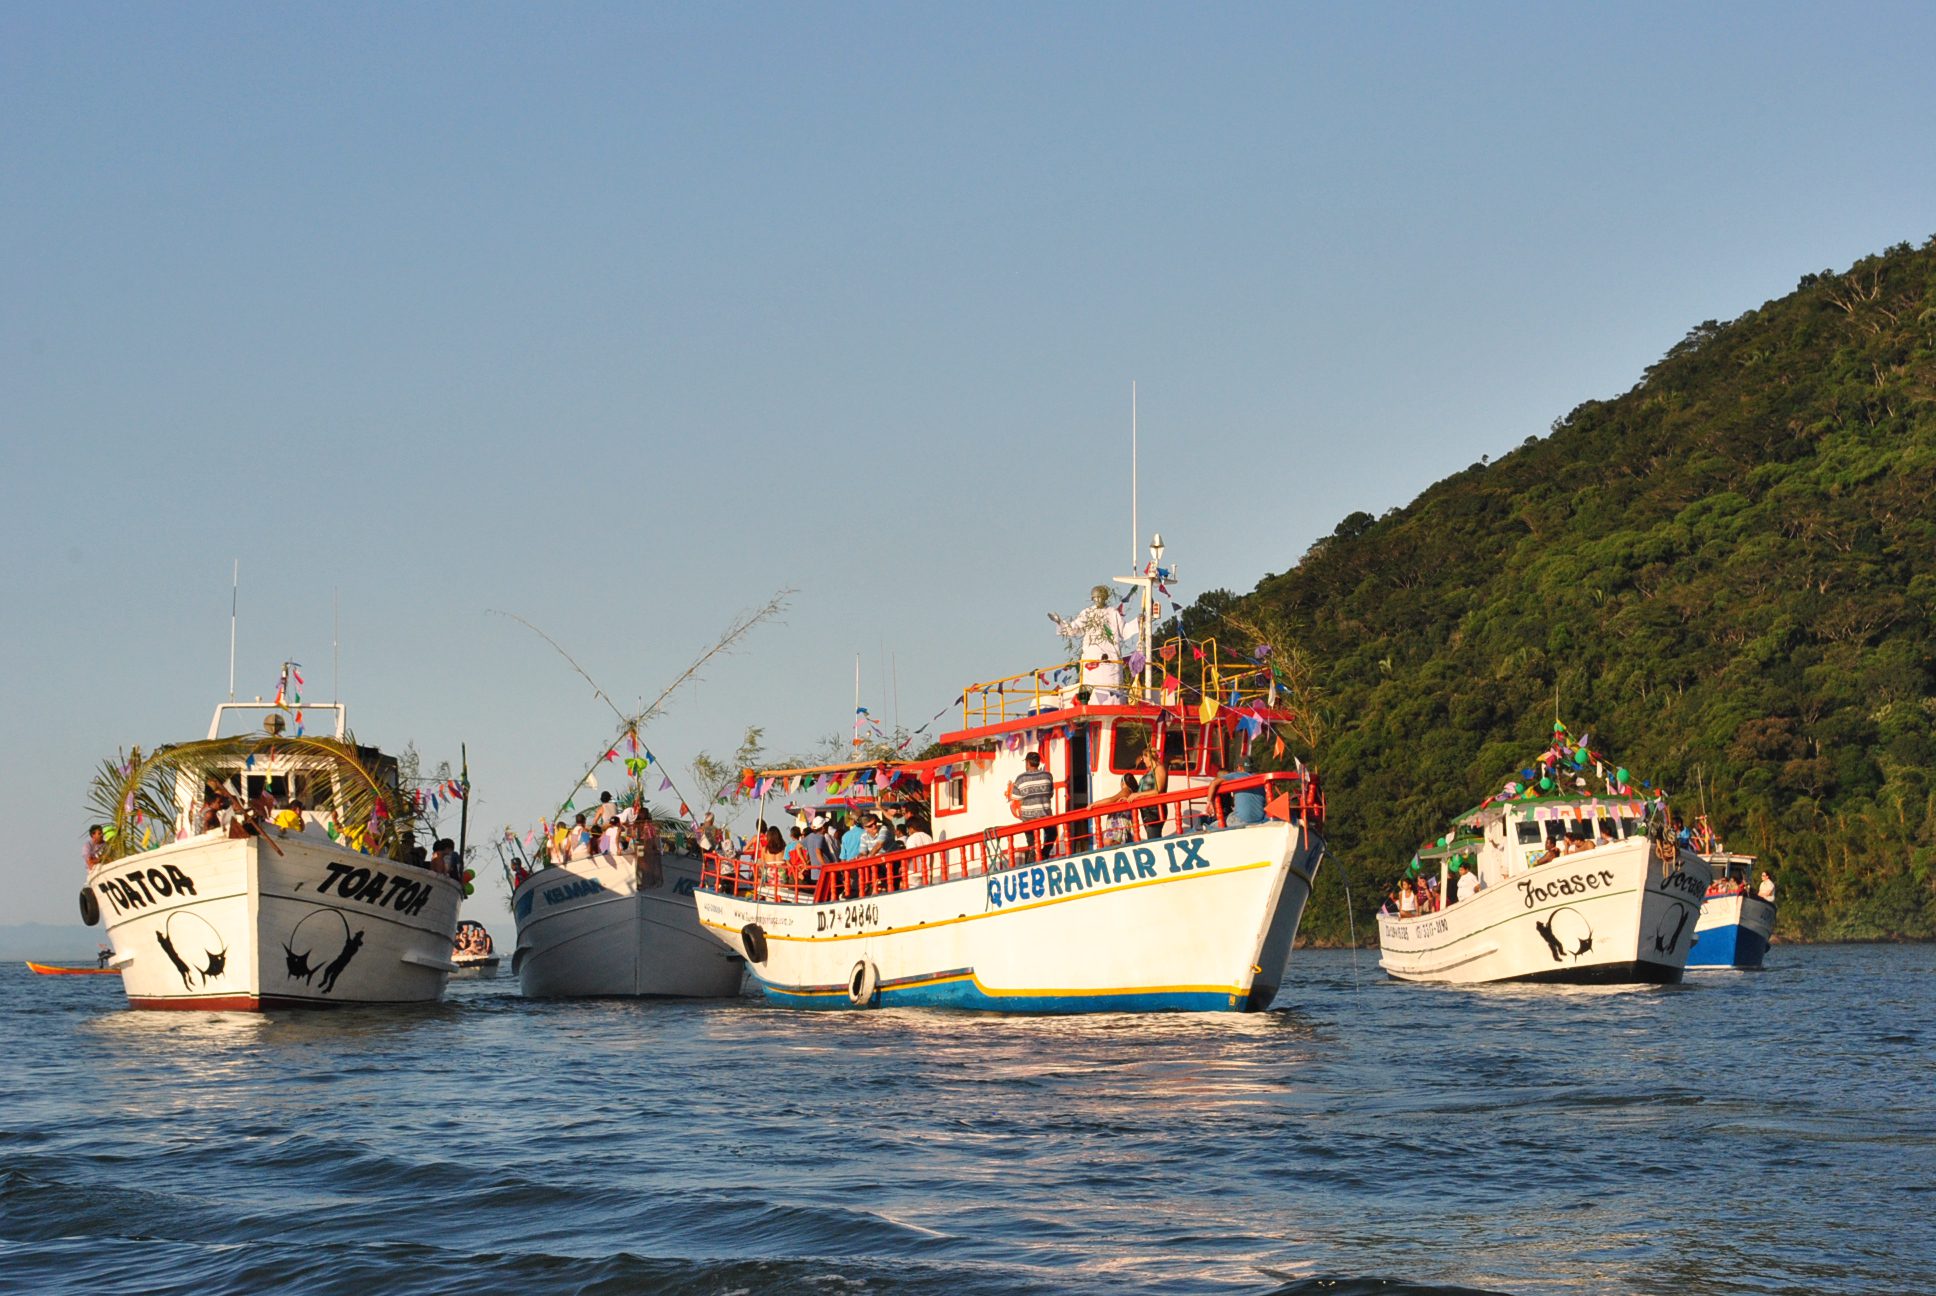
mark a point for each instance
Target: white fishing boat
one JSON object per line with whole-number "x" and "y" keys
{"x": 618, "y": 925}
{"x": 1736, "y": 924}
{"x": 1551, "y": 880}
{"x": 219, "y": 891}
{"x": 1186, "y": 898}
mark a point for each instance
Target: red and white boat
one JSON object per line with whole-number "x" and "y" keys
{"x": 1183, "y": 899}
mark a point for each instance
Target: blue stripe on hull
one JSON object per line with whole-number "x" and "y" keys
{"x": 1733, "y": 946}
{"x": 962, "y": 992}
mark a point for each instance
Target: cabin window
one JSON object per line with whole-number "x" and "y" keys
{"x": 1130, "y": 744}
{"x": 951, "y": 794}
{"x": 1631, "y": 824}
{"x": 1528, "y": 833}
{"x": 1610, "y": 829}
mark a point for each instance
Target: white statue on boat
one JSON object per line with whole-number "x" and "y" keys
{"x": 1102, "y": 630}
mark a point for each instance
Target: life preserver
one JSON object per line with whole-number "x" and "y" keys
{"x": 753, "y": 941}
{"x": 90, "y": 907}
{"x": 862, "y": 984}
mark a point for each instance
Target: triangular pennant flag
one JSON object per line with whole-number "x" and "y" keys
{"x": 1208, "y": 711}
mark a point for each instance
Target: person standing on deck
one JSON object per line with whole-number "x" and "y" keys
{"x": 97, "y": 847}
{"x": 850, "y": 841}
{"x": 1767, "y": 888}
{"x": 1034, "y": 793}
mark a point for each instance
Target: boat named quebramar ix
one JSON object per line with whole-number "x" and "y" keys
{"x": 1551, "y": 880}
{"x": 220, "y": 891}
{"x": 1737, "y": 924}
{"x": 1184, "y": 895}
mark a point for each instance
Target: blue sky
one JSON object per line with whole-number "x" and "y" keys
{"x": 623, "y": 317}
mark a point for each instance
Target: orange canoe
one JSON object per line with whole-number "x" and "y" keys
{"x": 55, "y": 969}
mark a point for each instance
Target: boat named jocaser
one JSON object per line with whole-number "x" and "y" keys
{"x": 1566, "y": 874}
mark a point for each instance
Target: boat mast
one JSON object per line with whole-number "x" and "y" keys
{"x": 463, "y": 807}
{"x": 235, "y": 592}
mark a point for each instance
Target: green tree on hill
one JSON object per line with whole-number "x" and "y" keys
{"x": 1727, "y": 574}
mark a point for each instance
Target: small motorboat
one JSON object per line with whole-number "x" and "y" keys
{"x": 473, "y": 953}
{"x": 62, "y": 969}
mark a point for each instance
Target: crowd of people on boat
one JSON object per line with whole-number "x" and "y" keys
{"x": 1411, "y": 898}
{"x": 816, "y": 841}
{"x": 607, "y": 829}
{"x": 266, "y": 812}
{"x": 473, "y": 941}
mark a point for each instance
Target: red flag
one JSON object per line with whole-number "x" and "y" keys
{"x": 684, "y": 809}
{"x": 1280, "y": 806}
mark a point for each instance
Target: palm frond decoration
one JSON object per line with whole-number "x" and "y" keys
{"x": 356, "y": 787}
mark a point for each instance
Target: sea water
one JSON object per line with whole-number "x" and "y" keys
{"x": 1743, "y": 1132}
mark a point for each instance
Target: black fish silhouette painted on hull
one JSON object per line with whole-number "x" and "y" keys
{"x": 300, "y": 968}
{"x": 1667, "y": 947}
{"x": 341, "y": 961}
{"x": 217, "y": 961}
{"x": 168, "y": 948}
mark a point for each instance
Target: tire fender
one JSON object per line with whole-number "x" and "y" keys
{"x": 90, "y": 907}
{"x": 752, "y": 939}
{"x": 863, "y": 984}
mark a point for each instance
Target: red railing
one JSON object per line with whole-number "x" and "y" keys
{"x": 1287, "y": 796}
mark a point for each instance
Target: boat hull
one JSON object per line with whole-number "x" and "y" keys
{"x": 57, "y": 969}
{"x": 1734, "y": 932}
{"x": 1612, "y": 915}
{"x": 597, "y": 928}
{"x": 212, "y": 922}
{"x": 1196, "y": 923}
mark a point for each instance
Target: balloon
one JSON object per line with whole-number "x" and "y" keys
{"x": 1580, "y": 756}
{"x": 1525, "y": 773}
{"x": 1620, "y": 775}
{"x": 470, "y": 889}
{"x": 1545, "y": 784}
{"x": 470, "y": 875}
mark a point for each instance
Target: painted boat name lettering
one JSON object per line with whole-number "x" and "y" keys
{"x": 567, "y": 891}
{"x": 368, "y": 886}
{"x": 1683, "y": 882}
{"x": 1436, "y": 927}
{"x": 1074, "y": 876}
{"x": 139, "y": 888}
{"x": 1576, "y": 884}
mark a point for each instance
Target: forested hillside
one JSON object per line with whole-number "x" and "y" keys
{"x": 1727, "y": 574}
